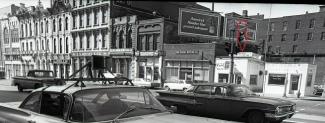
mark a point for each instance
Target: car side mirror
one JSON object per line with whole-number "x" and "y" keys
{"x": 172, "y": 108}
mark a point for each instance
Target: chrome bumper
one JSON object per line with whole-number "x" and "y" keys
{"x": 279, "y": 117}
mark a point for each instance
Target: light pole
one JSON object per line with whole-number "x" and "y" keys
{"x": 231, "y": 80}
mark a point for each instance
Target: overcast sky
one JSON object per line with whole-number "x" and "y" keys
{"x": 277, "y": 10}
{"x": 4, "y": 3}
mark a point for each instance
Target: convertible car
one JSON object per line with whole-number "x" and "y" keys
{"x": 229, "y": 101}
{"x": 93, "y": 103}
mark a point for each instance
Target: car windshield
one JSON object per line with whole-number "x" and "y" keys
{"x": 240, "y": 90}
{"x": 44, "y": 74}
{"x": 107, "y": 104}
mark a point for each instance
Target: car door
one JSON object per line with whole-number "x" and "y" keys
{"x": 202, "y": 98}
{"x": 47, "y": 107}
{"x": 220, "y": 102}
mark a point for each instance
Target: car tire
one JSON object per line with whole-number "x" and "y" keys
{"x": 182, "y": 110}
{"x": 20, "y": 89}
{"x": 256, "y": 117}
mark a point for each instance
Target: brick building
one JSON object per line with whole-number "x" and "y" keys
{"x": 298, "y": 38}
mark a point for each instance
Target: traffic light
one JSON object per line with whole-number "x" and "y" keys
{"x": 241, "y": 37}
{"x": 228, "y": 48}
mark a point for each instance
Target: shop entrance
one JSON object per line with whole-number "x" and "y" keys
{"x": 294, "y": 83}
{"x": 185, "y": 74}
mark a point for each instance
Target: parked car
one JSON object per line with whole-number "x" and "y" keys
{"x": 229, "y": 101}
{"x": 79, "y": 103}
{"x": 143, "y": 83}
{"x": 177, "y": 85}
{"x": 318, "y": 91}
{"x": 35, "y": 79}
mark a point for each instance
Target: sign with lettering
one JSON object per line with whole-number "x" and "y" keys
{"x": 198, "y": 23}
{"x": 187, "y": 52}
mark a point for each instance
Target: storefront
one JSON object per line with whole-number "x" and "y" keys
{"x": 290, "y": 79}
{"x": 192, "y": 62}
{"x": 248, "y": 70}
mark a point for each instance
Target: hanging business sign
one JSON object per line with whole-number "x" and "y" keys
{"x": 200, "y": 23}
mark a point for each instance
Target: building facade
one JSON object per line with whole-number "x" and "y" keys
{"x": 298, "y": 38}
{"x": 90, "y": 31}
{"x": 10, "y": 45}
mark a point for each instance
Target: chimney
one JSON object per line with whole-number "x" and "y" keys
{"x": 321, "y": 8}
{"x": 245, "y": 13}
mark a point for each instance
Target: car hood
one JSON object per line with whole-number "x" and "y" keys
{"x": 172, "y": 118}
{"x": 269, "y": 100}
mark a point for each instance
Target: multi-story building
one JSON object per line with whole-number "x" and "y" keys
{"x": 90, "y": 30}
{"x": 10, "y": 55}
{"x": 45, "y": 37}
{"x": 297, "y": 38}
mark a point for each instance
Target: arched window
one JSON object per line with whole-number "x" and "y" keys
{"x": 113, "y": 40}
{"x": 41, "y": 27}
{"x": 36, "y": 47}
{"x": 47, "y": 44}
{"x": 129, "y": 39}
{"x": 60, "y": 24}
{"x": 66, "y": 45}
{"x": 26, "y": 30}
{"x": 43, "y": 45}
{"x": 31, "y": 46}
{"x": 121, "y": 39}
{"x": 5, "y": 35}
{"x": 22, "y": 30}
{"x": 47, "y": 27}
{"x": 60, "y": 45}
{"x": 36, "y": 28}
{"x": 54, "y": 45}
{"x": 54, "y": 25}
{"x": 66, "y": 23}
{"x": 30, "y": 29}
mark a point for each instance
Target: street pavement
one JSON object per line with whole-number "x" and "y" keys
{"x": 309, "y": 110}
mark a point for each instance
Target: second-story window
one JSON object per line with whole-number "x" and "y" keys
{"x": 129, "y": 39}
{"x": 74, "y": 41}
{"x": 30, "y": 29}
{"x": 95, "y": 17}
{"x": 36, "y": 28}
{"x": 74, "y": 23}
{"x": 155, "y": 41}
{"x": 294, "y": 48}
{"x": 121, "y": 39}
{"x": 80, "y": 41}
{"x": 47, "y": 27}
{"x": 113, "y": 44}
{"x": 104, "y": 36}
{"x": 42, "y": 26}
{"x": 139, "y": 42}
{"x": 54, "y": 45}
{"x": 271, "y": 26}
{"x": 310, "y": 36}
{"x": 66, "y": 23}
{"x": 298, "y": 24}
{"x": 88, "y": 18}
{"x": 312, "y": 23}
{"x": 323, "y": 36}
{"x": 80, "y": 20}
{"x": 104, "y": 14}
{"x": 66, "y": 45}
{"x": 295, "y": 37}
{"x": 270, "y": 38}
{"x": 80, "y": 2}
{"x": 60, "y": 45}
{"x": 74, "y": 3}
{"x": 54, "y": 25}
{"x": 285, "y": 26}
{"x": 60, "y": 24}
{"x": 283, "y": 37}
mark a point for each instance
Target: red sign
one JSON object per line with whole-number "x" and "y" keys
{"x": 242, "y": 27}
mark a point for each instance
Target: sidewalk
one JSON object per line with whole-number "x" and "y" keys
{"x": 310, "y": 98}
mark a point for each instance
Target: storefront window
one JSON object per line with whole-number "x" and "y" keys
{"x": 172, "y": 74}
{"x": 277, "y": 79}
{"x": 156, "y": 73}
{"x": 141, "y": 72}
{"x": 148, "y": 74}
{"x": 185, "y": 74}
{"x": 201, "y": 75}
{"x": 309, "y": 79}
{"x": 223, "y": 78}
{"x": 253, "y": 80}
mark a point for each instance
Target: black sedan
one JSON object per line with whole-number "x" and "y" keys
{"x": 232, "y": 101}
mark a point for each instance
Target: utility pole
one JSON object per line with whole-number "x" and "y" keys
{"x": 232, "y": 57}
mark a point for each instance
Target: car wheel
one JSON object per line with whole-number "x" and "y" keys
{"x": 256, "y": 117}
{"x": 182, "y": 110}
{"x": 167, "y": 88}
{"x": 20, "y": 89}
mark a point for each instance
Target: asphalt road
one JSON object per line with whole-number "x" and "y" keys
{"x": 12, "y": 96}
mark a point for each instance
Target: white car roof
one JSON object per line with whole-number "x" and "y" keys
{"x": 74, "y": 89}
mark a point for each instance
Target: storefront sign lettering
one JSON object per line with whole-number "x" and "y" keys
{"x": 89, "y": 53}
{"x": 188, "y": 52}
